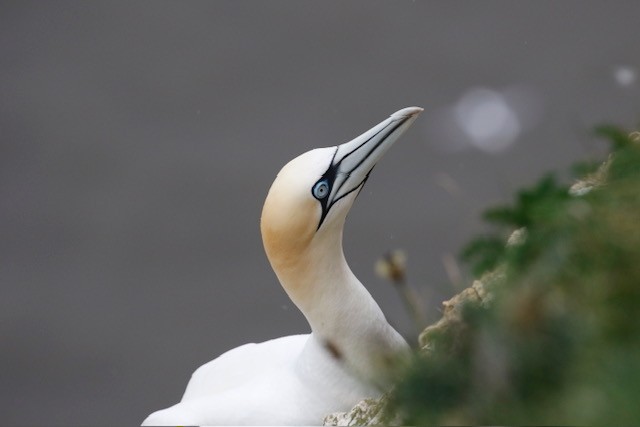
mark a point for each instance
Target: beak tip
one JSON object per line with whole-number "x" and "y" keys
{"x": 406, "y": 113}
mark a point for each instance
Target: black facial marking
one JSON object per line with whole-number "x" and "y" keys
{"x": 331, "y": 173}
{"x": 329, "y": 176}
{"x": 369, "y": 139}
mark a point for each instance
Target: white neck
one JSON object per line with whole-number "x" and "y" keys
{"x": 341, "y": 312}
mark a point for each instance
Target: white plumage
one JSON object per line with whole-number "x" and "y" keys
{"x": 349, "y": 355}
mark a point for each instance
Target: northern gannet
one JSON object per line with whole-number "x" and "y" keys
{"x": 297, "y": 380}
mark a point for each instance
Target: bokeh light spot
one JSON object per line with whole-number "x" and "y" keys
{"x": 487, "y": 119}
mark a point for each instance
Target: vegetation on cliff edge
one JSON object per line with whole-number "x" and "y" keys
{"x": 558, "y": 341}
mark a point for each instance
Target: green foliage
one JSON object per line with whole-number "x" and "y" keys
{"x": 618, "y": 138}
{"x": 484, "y": 253}
{"x": 542, "y": 205}
{"x": 582, "y": 169}
{"x": 560, "y": 341}
{"x": 532, "y": 206}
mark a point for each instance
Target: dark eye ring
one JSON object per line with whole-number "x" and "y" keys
{"x": 321, "y": 189}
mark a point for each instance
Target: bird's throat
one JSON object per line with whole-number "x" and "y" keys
{"x": 315, "y": 275}
{"x": 342, "y": 314}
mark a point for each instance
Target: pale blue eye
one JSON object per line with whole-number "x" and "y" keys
{"x": 321, "y": 189}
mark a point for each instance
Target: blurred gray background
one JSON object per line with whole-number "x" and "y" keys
{"x": 138, "y": 141}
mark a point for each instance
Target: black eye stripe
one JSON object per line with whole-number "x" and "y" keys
{"x": 328, "y": 177}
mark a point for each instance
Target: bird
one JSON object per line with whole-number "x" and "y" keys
{"x": 351, "y": 349}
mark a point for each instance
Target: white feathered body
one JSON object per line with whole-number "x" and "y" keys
{"x": 298, "y": 380}
{"x": 287, "y": 381}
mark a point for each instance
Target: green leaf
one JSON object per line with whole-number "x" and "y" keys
{"x": 618, "y": 137}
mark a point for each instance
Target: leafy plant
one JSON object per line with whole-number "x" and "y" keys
{"x": 559, "y": 342}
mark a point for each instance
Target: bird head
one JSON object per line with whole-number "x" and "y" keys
{"x": 310, "y": 198}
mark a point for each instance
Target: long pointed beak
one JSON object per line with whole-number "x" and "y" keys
{"x": 354, "y": 160}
